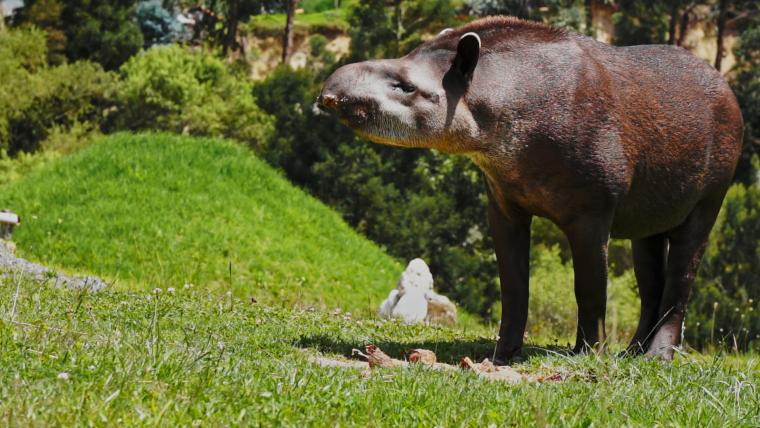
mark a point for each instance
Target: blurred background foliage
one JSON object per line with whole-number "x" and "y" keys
{"x": 73, "y": 69}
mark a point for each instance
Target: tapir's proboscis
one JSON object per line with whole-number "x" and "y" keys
{"x": 636, "y": 142}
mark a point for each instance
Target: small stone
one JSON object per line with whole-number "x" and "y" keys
{"x": 440, "y": 309}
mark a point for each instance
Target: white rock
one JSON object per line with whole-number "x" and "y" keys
{"x": 386, "y": 308}
{"x": 412, "y": 306}
{"x": 413, "y": 299}
{"x": 417, "y": 274}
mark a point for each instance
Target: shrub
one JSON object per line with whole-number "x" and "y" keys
{"x": 170, "y": 88}
{"x": 46, "y": 15}
{"x": 23, "y": 48}
{"x": 103, "y": 31}
{"x": 723, "y": 308}
{"x": 34, "y": 98}
{"x": 745, "y": 81}
{"x": 12, "y": 168}
{"x": 21, "y": 52}
{"x": 59, "y": 96}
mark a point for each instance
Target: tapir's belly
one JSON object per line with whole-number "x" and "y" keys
{"x": 637, "y": 218}
{"x": 659, "y": 199}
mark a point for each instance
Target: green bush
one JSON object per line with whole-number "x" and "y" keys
{"x": 103, "y": 31}
{"x": 745, "y": 81}
{"x": 314, "y": 6}
{"x": 21, "y": 51}
{"x": 170, "y": 88}
{"x": 35, "y": 98}
{"x": 23, "y": 48}
{"x": 723, "y": 308}
{"x": 60, "y": 96}
{"x": 12, "y": 168}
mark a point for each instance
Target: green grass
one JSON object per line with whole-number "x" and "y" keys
{"x": 160, "y": 211}
{"x": 326, "y": 21}
{"x": 198, "y": 358}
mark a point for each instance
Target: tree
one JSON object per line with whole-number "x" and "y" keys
{"x": 525, "y": 9}
{"x": 236, "y": 11}
{"x": 46, "y": 14}
{"x": 104, "y": 31}
{"x": 157, "y": 24}
{"x": 720, "y": 51}
{"x": 745, "y": 80}
{"x": 287, "y": 38}
{"x": 639, "y": 22}
{"x": 378, "y": 31}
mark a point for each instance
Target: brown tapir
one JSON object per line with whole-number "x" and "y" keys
{"x": 633, "y": 142}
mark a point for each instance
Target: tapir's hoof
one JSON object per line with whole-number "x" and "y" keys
{"x": 635, "y": 349}
{"x": 664, "y": 353}
{"x": 665, "y": 342}
{"x": 509, "y": 358}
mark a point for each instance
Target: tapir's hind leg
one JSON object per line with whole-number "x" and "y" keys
{"x": 649, "y": 261}
{"x": 686, "y": 245}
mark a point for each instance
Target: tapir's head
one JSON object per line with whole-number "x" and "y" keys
{"x": 413, "y": 101}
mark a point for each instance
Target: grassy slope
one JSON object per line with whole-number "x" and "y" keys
{"x": 194, "y": 358}
{"x": 159, "y": 210}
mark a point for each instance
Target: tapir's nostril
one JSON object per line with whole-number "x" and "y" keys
{"x": 327, "y": 101}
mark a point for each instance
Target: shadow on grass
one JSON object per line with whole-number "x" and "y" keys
{"x": 446, "y": 351}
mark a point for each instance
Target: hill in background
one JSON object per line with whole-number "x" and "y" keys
{"x": 155, "y": 210}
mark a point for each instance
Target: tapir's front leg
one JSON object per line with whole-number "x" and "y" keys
{"x": 510, "y": 228}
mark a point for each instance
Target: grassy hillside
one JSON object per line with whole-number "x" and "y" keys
{"x": 194, "y": 358}
{"x": 160, "y": 211}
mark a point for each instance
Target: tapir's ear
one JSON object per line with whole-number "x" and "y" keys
{"x": 468, "y": 52}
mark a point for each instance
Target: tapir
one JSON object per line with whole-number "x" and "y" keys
{"x": 636, "y": 142}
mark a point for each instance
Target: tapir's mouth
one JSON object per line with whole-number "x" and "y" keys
{"x": 352, "y": 113}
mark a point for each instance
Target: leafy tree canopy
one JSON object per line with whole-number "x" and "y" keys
{"x": 104, "y": 31}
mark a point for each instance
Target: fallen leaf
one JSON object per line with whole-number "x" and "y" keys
{"x": 488, "y": 370}
{"x": 378, "y": 358}
{"x": 423, "y": 356}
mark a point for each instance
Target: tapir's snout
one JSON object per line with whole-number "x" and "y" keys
{"x": 327, "y": 102}
{"x": 336, "y": 88}
{"x": 345, "y": 94}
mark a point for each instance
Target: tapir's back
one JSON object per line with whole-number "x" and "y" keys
{"x": 680, "y": 127}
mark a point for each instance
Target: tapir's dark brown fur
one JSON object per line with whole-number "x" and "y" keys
{"x": 633, "y": 142}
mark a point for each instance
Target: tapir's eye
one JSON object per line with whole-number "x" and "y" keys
{"x": 405, "y": 86}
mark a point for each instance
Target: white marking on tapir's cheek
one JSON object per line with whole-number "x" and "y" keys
{"x": 445, "y": 31}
